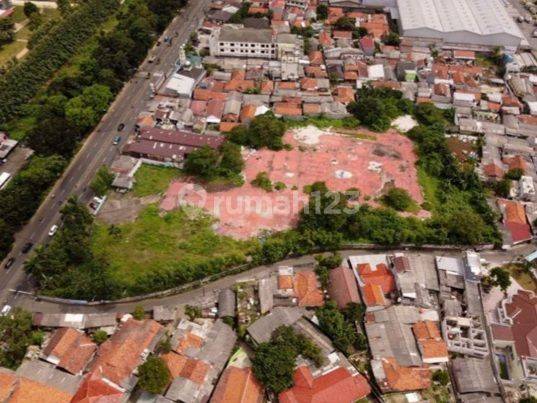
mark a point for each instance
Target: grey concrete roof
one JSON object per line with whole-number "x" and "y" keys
{"x": 474, "y": 375}
{"x": 226, "y": 303}
{"x": 46, "y": 374}
{"x": 251, "y": 35}
{"x": 261, "y": 330}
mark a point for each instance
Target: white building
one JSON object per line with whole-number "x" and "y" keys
{"x": 297, "y": 3}
{"x": 470, "y": 24}
{"x": 243, "y": 42}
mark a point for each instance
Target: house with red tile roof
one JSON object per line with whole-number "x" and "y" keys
{"x": 378, "y": 274}
{"x": 337, "y": 384}
{"x": 517, "y": 228}
{"x": 238, "y": 385}
{"x": 432, "y": 347}
{"x": 69, "y": 349}
{"x": 373, "y": 297}
{"x": 342, "y": 286}
{"x": 306, "y": 289}
{"x": 287, "y": 109}
{"x": 119, "y": 356}
{"x": 14, "y": 388}
{"x": 521, "y": 309}
{"x": 94, "y": 389}
{"x": 392, "y": 377}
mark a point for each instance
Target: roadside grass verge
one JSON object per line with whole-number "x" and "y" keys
{"x": 158, "y": 243}
{"x": 152, "y": 179}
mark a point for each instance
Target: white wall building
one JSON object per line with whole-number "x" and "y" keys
{"x": 243, "y": 42}
{"x": 459, "y": 23}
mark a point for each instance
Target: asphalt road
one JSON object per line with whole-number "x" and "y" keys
{"x": 207, "y": 294}
{"x": 97, "y": 149}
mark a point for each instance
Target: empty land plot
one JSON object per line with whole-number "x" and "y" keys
{"x": 157, "y": 243}
{"x": 368, "y": 164}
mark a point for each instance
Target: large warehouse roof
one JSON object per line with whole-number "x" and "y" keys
{"x": 479, "y": 17}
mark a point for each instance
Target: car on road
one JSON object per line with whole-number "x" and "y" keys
{"x": 520, "y": 19}
{"x": 27, "y": 246}
{"x": 52, "y": 231}
{"x": 9, "y": 263}
{"x": 117, "y": 140}
{"x": 121, "y": 127}
{"x": 5, "y": 310}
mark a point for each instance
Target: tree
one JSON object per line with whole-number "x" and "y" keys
{"x": 85, "y": 110}
{"x": 501, "y": 278}
{"x": 192, "y": 312}
{"x": 36, "y": 19}
{"x": 441, "y": 377}
{"x": 7, "y": 31}
{"x": 202, "y": 162}
{"x": 371, "y": 112}
{"x": 392, "y": 39}
{"x": 398, "y": 199}
{"x": 16, "y": 335}
{"x": 345, "y": 23}
{"x": 333, "y": 323}
{"x": 102, "y": 181}
{"x": 64, "y": 6}
{"x": 530, "y": 399}
{"x": 29, "y": 9}
{"x": 274, "y": 366}
{"x": 322, "y": 12}
{"x": 324, "y": 265}
{"x": 231, "y": 162}
{"x": 100, "y": 336}
{"x": 262, "y": 181}
{"x": 264, "y": 131}
{"x": 514, "y": 174}
{"x": 274, "y": 362}
{"x": 139, "y": 312}
{"x": 153, "y": 375}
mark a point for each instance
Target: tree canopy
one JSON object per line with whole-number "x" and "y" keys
{"x": 264, "y": 131}
{"x": 153, "y": 375}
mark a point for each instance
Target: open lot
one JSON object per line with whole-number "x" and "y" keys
{"x": 366, "y": 161}
{"x": 156, "y": 243}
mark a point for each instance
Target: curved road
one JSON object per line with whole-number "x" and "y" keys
{"x": 209, "y": 291}
{"x": 97, "y": 149}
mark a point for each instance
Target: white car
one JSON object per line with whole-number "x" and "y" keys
{"x": 53, "y": 230}
{"x": 5, "y": 310}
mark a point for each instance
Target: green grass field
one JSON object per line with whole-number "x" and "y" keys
{"x": 151, "y": 179}
{"x": 158, "y": 242}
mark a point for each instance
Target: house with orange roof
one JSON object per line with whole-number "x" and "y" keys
{"x": 287, "y": 109}
{"x": 392, "y": 377}
{"x": 432, "y": 347}
{"x": 516, "y": 227}
{"x": 119, "y": 356}
{"x": 94, "y": 389}
{"x": 342, "y": 287}
{"x": 307, "y": 289}
{"x": 377, "y": 274}
{"x": 238, "y": 383}
{"x": 324, "y": 388}
{"x": 69, "y": 349}
{"x": 14, "y": 388}
{"x": 373, "y": 297}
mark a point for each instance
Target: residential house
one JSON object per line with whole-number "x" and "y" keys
{"x": 119, "y": 356}
{"x": 342, "y": 287}
{"x": 70, "y": 350}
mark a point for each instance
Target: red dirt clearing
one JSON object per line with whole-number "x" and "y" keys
{"x": 342, "y": 162}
